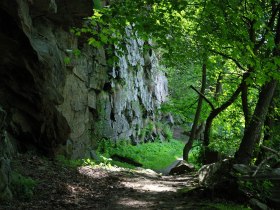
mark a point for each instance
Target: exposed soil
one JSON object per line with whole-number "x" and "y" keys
{"x": 61, "y": 187}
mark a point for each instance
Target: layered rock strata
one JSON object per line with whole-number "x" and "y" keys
{"x": 55, "y": 98}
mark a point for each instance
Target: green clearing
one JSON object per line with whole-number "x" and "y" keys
{"x": 152, "y": 155}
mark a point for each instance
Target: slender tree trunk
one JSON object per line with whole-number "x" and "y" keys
{"x": 214, "y": 113}
{"x": 252, "y": 134}
{"x": 269, "y": 124}
{"x": 189, "y": 144}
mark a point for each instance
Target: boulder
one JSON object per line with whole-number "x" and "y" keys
{"x": 242, "y": 169}
{"x": 216, "y": 179}
{"x": 182, "y": 168}
{"x": 208, "y": 173}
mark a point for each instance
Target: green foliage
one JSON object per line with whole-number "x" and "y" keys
{"x": 195, "y": 155}
{"x": 152, "y": 128}
{"x": 22, "y": 187}
{"x": 167, "y": 132}
{"x": 183, "y": 100}
{"x": 227, "y": 131}
{"x": 156, "y": 155}
{"x": 76, "y": 52}
{"x": 148, "y": 129}
{"x": 105, "y": 161}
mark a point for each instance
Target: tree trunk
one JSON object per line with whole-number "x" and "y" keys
{"x": 219, "y": 86}
{"x": 214, "y": 113}
{"x": 253, "y": 133}
{"x": 245, "y": 106}
{"x": 189, "y": 144}
{"x": 268, "y": 126}
{"x": 199, "y": 131}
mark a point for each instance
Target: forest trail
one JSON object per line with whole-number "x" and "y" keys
{"x": 61, "y": 187}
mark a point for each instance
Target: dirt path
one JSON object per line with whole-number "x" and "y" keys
{"x": 99, "y": 188}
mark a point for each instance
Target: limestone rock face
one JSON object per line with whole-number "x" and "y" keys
{"x": 63, "y": 102}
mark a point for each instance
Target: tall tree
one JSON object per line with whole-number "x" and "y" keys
{"x": 252, "y": 134}
{"x": 252, "y": 43}
{"x": 189, "y": 144}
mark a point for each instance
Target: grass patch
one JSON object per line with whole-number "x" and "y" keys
{"x": 153, "y": 155}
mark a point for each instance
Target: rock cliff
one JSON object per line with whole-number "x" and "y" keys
{"x": 57, "y": 100}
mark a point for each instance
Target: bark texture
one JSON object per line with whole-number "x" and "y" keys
{"x": 253, "y": 133}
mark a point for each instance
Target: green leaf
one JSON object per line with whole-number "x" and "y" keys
{"x": 103, "y": 38}
{"x": 93, "y": 42}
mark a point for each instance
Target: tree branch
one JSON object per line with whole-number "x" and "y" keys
{"x": 270, "y": 150}
{"x": 270, "y": 25}
{"x": 229, "y": 57}
{"x": 261, "y": 164}
{"x": 203, "y": 96}
{"x": 275, "y": 154}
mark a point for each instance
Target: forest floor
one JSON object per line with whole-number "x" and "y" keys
{"x": 62, "y": 187}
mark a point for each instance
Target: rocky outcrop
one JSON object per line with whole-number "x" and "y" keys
{"x": 62, "y": 101}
